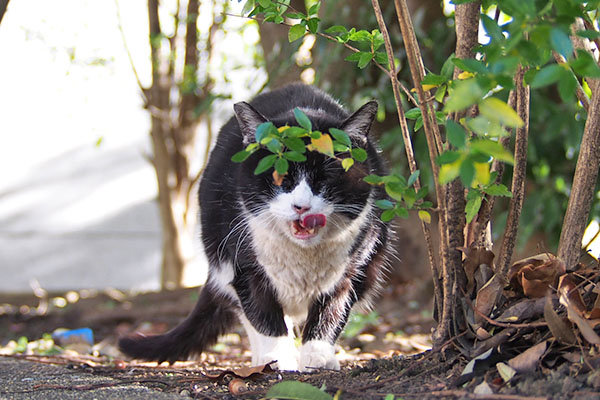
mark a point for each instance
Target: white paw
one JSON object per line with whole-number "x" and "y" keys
{"x": 281, "y": 349}
{"x": 318, "y": 354}
{"x": 285, "y": 362}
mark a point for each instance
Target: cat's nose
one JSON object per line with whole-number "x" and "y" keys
{"x": 300, "y": 209}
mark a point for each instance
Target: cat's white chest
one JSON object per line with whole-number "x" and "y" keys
{"x": 299, "y": 274}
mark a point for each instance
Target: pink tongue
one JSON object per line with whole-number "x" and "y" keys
{"x": 313, "y": 220}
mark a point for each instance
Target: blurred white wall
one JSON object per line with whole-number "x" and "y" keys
{"x": 77, "y": 197}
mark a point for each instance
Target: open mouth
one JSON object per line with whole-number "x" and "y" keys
{"x": 308, "y": 226}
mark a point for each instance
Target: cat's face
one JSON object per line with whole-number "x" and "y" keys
{"x": 316, "y": 201}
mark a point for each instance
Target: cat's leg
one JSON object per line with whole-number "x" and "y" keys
{"x": 326, "y": 319}
{"x": 271, "y": 339}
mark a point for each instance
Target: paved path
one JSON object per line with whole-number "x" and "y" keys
{"x": 20, "y": 379}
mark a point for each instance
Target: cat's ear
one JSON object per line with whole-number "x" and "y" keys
{"x": 248, "y": 119}
{"x": 359, "y": 124}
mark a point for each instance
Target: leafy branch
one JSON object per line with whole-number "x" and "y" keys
{"x": 290, "y": 143}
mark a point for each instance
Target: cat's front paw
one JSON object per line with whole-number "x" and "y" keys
{"x": 318, "y": 354}
{"x": 280, "y": 349}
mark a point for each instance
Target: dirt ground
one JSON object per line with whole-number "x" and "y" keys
{"x": 382, "y": 354}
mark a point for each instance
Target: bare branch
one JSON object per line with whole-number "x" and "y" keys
{"x": 3, "y": 7}
{"x": 412, "y": 163}
{"x": 133, "y": 68}
{"x": 518, "y": 179}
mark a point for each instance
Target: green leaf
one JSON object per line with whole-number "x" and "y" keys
{"x": 240, "y": 156}
{"x": 295, "y": 15}
{"x": 494, "y": 149}
{"x": 315, "y": 135}
{"x": 492, "y": 28}
{"x": 440, "y": 93}
{"x": 448, "y": 67}
{"x": 585, "y": 65}
{"x": 282, "y": 166}
{"x": 340, "y": 136}
{"x": 456, "y": 134}
{"x": 294, "y": 156}
{"x": 470, "y": 65}
{"x": 313, "y": 24}
{"x": 359, "y": 154}
{"x": 295, "y": 144}
{"x": 464, "y": 94}
{"x": 373, "y": 179}
{"x": 381, "y": 58}
{"x": 335, "y": 29}
{"x": 498, "y": 111}
{"x": 265, "y": 163}
{"x": 249, "y": 6}
{"x": 263, "y": 130}
{"x": 433, "y": 79}
{"x": 413, "y": 178}
{"x": 347, "y": 163}
{"x": 447, "y": 157}
{"x": 448, "y": 172}
{"x": 567, "y": 85}
{"x": 413, "y": 113}
{"x": 418, "y": 123}
{"x": 294, "y": 132}
{"x": 294, "y": 390}
{"x": 296, "y": 32}
{"x": 401, "y": 212}
{"x": 561, "y": 43}
{"x": 394, "y": 190}
{"x": 265, "y": 3}
{"x": 302, "y": 119}
{"x": 314, "y": 9}
{"x": 546, "y": 76}
{"x": 274, "y": 145}
{"x": 425, "y": 216}
{"x": 588, "y": 34}
{"x": 360, "y": 36}
{"x": 365, "y": 59}
{"x": 467, "y": 172}
{"x": 384, "y": 204}
{"x": 388, "y": 215}
{"x": 498, "y": 190}
{"x": 472, "y": 207}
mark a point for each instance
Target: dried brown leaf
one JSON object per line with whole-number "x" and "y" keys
{"x": 535, "y": 275}
{"x": 568, "y": 287}
{"x": 474, "y": 257}
{"x": 486, "y": 297}
{"x": 242, "y": 372}
{"x": 559, "y": 328}
{"x": 534, "y": 260}
{"x": 522, "y": 310}
{"x": 529, "y": 359}
{"x": 586, "y": 329}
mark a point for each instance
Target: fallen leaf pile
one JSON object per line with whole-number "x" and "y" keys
{"x": 542, "y": 314}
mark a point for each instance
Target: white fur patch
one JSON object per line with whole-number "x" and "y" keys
{"x": 318, "y": 354}
{"x": 269, "y": 348}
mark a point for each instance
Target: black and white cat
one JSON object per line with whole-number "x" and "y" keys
{"x": 302, "y": 253}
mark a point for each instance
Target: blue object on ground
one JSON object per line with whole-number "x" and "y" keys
{"x": 81, "y": 335}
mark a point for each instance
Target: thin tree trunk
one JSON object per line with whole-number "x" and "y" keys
{"x": 518, "y": 178}
{"x": 582, "y": 191}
